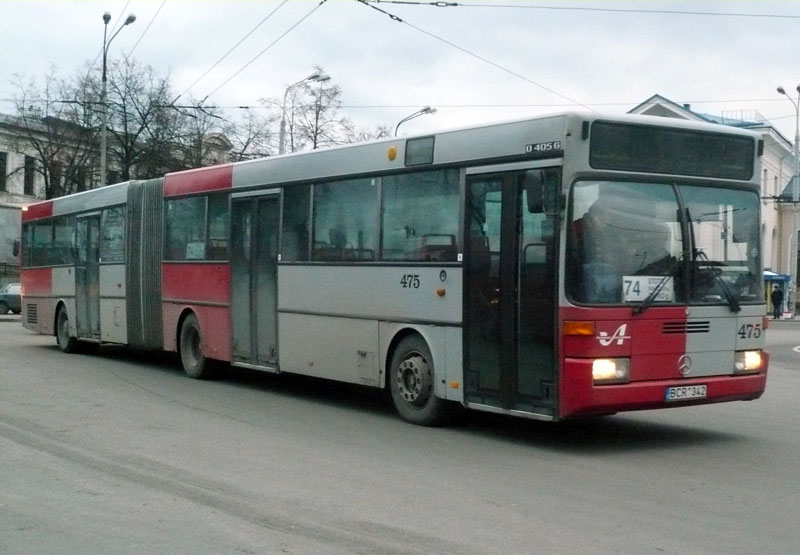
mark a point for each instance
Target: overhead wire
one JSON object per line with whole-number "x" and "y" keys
{"x": 234, "y": 47}
{"x": 147, "y": 28}
{"x": 270, "y": 45}
{"x": 398, "y": 19}
{"x": 584, "y": 9}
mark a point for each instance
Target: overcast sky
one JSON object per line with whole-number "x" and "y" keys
{"x": 476, "y": 62}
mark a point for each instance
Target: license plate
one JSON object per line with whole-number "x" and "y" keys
{"x": 684, "y": 392}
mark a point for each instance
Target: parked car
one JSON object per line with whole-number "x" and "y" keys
{"x": 9, "y": 299}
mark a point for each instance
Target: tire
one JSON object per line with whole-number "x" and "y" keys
{"x": 195, "y": 364}
{"x": 411, "y": 382}
{"x": 66, "y": 342}
{"x": 3, "y": 308}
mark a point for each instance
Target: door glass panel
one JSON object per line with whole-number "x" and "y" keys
{"x": 240, "y": 277}
{"x": 483, "y": 336}
{"x": 536, "y": 300}
{"x": 265, "y": 270}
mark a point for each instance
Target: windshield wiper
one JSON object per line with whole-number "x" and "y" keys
{"x": 733, "y": 303}
{"x": 645, "y": 304}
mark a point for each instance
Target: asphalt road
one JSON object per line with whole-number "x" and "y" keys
{"x": 118, "y": 452}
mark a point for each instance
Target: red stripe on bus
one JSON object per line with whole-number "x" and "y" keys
{"x": 201, "y": 180}
{"x": 38, "y": 211}
{"x": 194, "y": 287}
{"x": 196, "y": 283}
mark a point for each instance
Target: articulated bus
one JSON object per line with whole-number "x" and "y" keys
{"x": 547, "y": 268}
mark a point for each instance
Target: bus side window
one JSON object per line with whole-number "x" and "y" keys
{"x": 345, "y": 214}
{"x": 296, "y": 214}
{"x": 217, "y": 228}
{"x": 185, "y": 229}
{"x": 420, "y": 216}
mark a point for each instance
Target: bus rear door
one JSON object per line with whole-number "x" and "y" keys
{"x": 511, "y": 291}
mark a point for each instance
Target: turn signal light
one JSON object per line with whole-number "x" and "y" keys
{"x": 578, "y": 327}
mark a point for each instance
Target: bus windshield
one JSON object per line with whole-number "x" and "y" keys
{"x": 659, "y": 243}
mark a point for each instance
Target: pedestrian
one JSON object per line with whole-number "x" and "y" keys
{"x": 776, "y": 296}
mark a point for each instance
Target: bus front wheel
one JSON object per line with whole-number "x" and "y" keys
{"x": 194, "y": 362}
{"x": 411, "y": 382}
{"x": 66, "y": 342}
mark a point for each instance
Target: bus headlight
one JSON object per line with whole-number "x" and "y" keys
{"x": 610, "y": 370}
{"x": 747, "y": 361}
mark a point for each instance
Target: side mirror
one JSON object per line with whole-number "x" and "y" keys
{"x": 534, "y": 187}
{"x": 542, "y": 191}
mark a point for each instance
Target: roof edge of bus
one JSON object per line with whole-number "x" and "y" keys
{"x": 568, "y": 114}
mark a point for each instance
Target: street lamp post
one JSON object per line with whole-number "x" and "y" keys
{"x": 103, "y": 105}
{"x": 795, "y": 199}
{"x": 418, "y": 113}
{"x": 317, "y": 76}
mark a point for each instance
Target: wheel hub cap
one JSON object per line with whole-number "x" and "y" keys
{"x": 413, "y": 380}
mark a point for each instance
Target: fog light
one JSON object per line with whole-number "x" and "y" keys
{"x": 610, "y": 370}
{"x": 747, "y": 361}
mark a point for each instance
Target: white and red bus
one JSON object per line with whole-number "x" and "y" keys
{"x": 548, "y": 268}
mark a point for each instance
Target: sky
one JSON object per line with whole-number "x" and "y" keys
{"x": 476, "y": 62}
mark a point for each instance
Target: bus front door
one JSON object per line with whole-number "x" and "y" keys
{"x": 254, "y": 269}
{"x": 87, "y": 277}
{"x": 511, "y": 293}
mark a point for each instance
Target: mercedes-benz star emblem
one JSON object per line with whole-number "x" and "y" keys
{"x": 685, "y": 365}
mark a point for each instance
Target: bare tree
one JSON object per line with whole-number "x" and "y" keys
{"x": 141, "y": 121}
{"x": 312, "y": 117}
{"x": 251, "y": 135}
{"x": 200, "y": 141}
{"x": 54, "y": 126}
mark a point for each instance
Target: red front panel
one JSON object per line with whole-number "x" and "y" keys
{"x": 205, "y": 290}
{"x": 580, "y": 396}
{"x": 201, "y": 180}
{"x": 654, "y": 352}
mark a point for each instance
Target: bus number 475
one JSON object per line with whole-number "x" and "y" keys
{"x": 749, "y": 331}
{"x": 410, "y": 281}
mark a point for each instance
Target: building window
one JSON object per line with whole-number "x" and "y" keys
{"x": 30, "y": 173}
{"x": 3, "y": 167}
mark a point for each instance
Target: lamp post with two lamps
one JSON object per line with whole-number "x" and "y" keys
{"x": 103, "y": 105}
{"x": 795, "y": 200}
{"x": 418, "y": 113}
{"x": 317, "y": 76}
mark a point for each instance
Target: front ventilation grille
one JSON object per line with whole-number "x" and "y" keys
{"x": 32, "y": 313}
{"x": 697, "y": 326}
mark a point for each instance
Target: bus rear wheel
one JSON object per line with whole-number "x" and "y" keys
{"x": 66, "y": 342}
{"x": 411, "y": 382}
{"x": 194, "y": 362}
